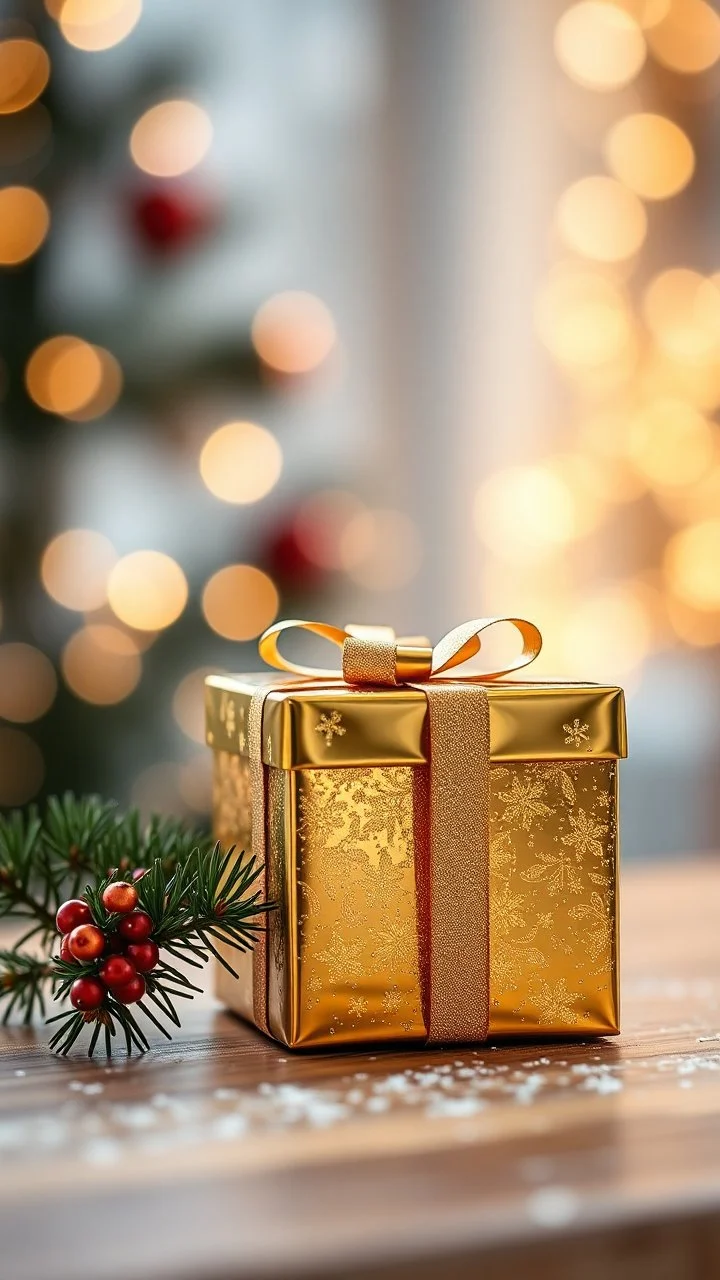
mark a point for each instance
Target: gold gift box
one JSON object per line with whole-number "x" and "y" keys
{"x": 341, "y": 766}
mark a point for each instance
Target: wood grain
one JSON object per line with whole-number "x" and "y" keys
{"x": 221, "y": 1155}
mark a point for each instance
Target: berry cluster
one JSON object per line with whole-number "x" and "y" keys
{"x": 123, "y": 950}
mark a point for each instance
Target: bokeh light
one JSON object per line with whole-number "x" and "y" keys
{"x": 240, "y": 462}
{"x": 293, "y": 333}
{"x": 24, "y": 73}
{"x": 27, "y": 683}
{"x": 171, "y": 138}
{"x": 381, "y": 550}
{"x": 687, "y": 39}
{"x": 671, "y": 443}
{"x": 525, "y": 514}
{"x": 682, "y": 309}
{"x": 599, "y": 46}
{"x": 70, "y": 377}
{"x": 22, "y": 769}
{"x": 603, "y": 435}
{"x": 693, "y": 626}
{"x": 600, "y": 218}
{"x": 607, "y": 635}
{"x": 75, "y": 567}
{"x": 101, "y": 664}
{"x": 240, "y": 601}
{"x": 147, "y": 590}
{"x": 650, "y": 154}
{"x": 188, "y": 704}
{"x": 24, "y": 222}
{"x": 93, "y": 25}
{"x": 583, "y": 318}
{"x": 692, "y": 565}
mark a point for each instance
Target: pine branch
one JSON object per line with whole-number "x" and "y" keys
{"x": 24, "y": 980}
{"x": 197, "y": 897}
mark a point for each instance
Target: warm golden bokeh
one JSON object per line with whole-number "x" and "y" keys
{"x": 650, "y": 154}
{"x": 688, "y": 37}
{"x": 607, "y": 635}
{"x": 647, "y": 13}
{"x": 70, "y": 377}
{"x": 381, "y": 550}
{"x": 671, "y": 443}
{"x": 75, "y": 567}
{"x": 27, "y": 683}
{"x": 147, "y": 590}
{"x": 24, "y": 73}
{"x": 24, "y": 223}
{"x": 692, "y": 565}
{"x": 525, "y": 514}
{"x": 240, "y": 462}
{"x": 93, "y": 25}
{"x": 682, "y": 309}
{"x": 107, "y": 392}
{"x": 240, "y": 601}
{"x": 101, "y": 664}
{"x": 584, "y": 318}
{"x": 171, "y": 138}
{"x": 600, "y": 218}
{"x": 599, "y": 46}
{"x": 293, "y": 333}
{"x": 22, "y": 768}
{"x": 188, "y": 703}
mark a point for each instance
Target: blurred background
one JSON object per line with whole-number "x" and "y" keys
{"x": 369, "y": 310}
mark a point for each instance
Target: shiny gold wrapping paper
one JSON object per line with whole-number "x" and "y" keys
{"x": 343, "y": 953}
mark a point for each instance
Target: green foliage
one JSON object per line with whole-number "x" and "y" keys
{"x": 196, "y": 895}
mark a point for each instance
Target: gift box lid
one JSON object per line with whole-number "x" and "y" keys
{"x": 334, "y": 725}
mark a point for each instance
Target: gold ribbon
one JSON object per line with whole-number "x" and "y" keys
{"x": 451, "y": 804}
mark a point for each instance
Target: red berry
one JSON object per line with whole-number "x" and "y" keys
{"x": 65, "y": 952}
{"x": 120, "y": 897}
{"x": 144, "y": 955}
{"x": 131, "y": 991}
{"x": 136, "y": 927}
{"x": 87, "y": 942}
{"x": 71, "y": 914}
{"x": 87, "y": 993}
{"x": 116, "y": 971}
{"x": 138, "y": 873}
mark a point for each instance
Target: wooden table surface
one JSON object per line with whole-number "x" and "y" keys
{"x": 221, "y": 1155}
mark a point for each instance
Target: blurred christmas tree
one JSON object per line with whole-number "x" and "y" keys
{"x": 156, "y": 309}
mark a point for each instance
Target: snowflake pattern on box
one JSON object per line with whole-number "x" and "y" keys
{"x": 552, "y": 907}
{"x": 357, "y": 928}
{"x": 552, "y": 910}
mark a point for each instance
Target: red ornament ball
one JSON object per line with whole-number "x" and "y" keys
{"x": 136, "y": 927}
{"x": 166, "y": 220}
{"x": 86, "y": 942}
{"x": 120, "y": 897}
{"x": 71, "y": 914}
{"x": 117, "y": 971}
{"x": 65, "y": 952}
{"x": 144, "y": 955}
{"x": 87, "y": 993}
{"x": 132, "y": 991}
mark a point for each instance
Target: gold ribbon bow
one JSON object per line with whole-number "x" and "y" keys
{"x": 450, "y": 802}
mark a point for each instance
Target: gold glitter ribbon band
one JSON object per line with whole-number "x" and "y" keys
{"x": 451, "y": 804}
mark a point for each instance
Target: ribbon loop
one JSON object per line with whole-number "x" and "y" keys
{"x": 372, "y": 655}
